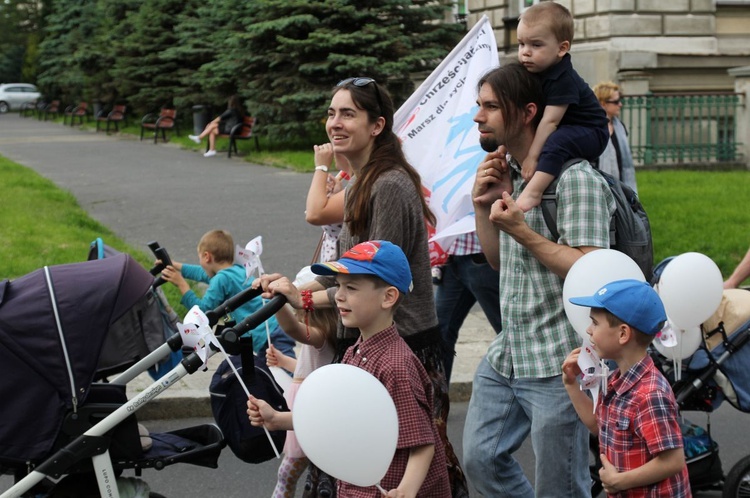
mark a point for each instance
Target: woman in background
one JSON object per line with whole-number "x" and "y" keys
{"x": 617, "y": 160}
{"x": 221, "y": 125}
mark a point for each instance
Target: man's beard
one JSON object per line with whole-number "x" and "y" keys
{"x": 488, "y": 144}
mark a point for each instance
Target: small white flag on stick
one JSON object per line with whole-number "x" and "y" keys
{"x": 250, "y": 258}
{"x": 197, "y": 334}
{"x": 594, "y": 371}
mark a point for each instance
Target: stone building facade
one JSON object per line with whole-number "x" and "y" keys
{"x": 644, "y": 45}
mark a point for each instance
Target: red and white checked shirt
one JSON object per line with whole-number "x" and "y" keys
{"x": 638, "y": 419}
{"x": 465, "y": 245}
{"x": 387, "y": 356}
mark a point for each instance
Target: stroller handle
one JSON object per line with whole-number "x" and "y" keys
{"x": 232, "y": 304}
{"x": 260, "y": 316}
{"x": 732, "y": 345}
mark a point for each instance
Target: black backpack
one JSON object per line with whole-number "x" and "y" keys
{"x": 229, "y": 406}
{"x": 629, "y": 228}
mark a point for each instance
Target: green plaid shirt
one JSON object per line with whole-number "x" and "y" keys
{"x": 537, "y": 335}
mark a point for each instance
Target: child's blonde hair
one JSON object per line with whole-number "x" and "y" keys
{"x": 323, "y": 319}
{"x": 219, "y": 244}
{"x": 554, "y": 16}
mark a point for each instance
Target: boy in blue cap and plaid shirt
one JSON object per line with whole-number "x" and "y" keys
{"x": 637, "y": 418}
{"x": 372, "y": 277}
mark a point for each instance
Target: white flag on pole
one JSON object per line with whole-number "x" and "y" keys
{"x": 440, "y": 138}
{"x": 250, "y": 257}
{"x": 196, "y": 332}
{"x": 594, "y": 371}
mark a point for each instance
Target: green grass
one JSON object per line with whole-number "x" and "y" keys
{"x": 700, "y": 211}
{"x": 44, "y": 225}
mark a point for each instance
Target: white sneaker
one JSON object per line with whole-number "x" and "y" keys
{"x": 195, "y": 138}
{"x": 210, "y": 153}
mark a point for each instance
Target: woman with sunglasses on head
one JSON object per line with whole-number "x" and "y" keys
{"x": 385, "y": 201}
{"x": 617, "y": 160}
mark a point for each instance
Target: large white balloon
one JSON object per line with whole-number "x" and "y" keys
{"x": 687, "y": 342}
{"x": 690, "y": 288}
{"x": 590, "y": 273}
{"x": 346, "y": 423}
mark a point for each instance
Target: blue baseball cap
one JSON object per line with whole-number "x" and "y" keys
{"x": 632, "y": 301}
{"x": 376, "y": 257}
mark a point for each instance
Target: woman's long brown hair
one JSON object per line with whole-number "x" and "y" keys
{"x": 386, "y": 155}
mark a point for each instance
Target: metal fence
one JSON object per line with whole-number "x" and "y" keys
{"x": 683, "y": 129}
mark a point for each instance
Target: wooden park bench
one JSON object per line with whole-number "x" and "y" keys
{"x": 240, "y": 131}
{"x": 51, "y": 109}
{"x": 115, "y": 116}
{"x": 166, "y": 120}
{"x": 31, "y": 108}
{"x": 79, "y": 112}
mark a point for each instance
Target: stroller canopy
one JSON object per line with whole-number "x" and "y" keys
{"x": 53, "y": 323}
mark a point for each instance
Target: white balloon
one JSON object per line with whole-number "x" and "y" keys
{"x": 690, "y": 287}
{"x": 346, "y": 423}
{"x": 589, "y": 274}
{"x": 688, "y": 342}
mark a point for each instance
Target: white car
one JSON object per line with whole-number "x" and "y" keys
{"x": 13, "y": 95}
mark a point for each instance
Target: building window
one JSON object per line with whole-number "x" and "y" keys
{"x": 525, "y": 4}
{"x": 460, "y": 11}
{"x": 515, "y": 8}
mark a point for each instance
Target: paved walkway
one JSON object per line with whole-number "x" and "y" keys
{"x": 145, "y": 192}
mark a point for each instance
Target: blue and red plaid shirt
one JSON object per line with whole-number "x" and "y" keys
{"x": 638, "y": 419}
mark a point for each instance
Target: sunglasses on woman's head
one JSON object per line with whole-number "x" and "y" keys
{"x": 362, "y": 82}
{"x": 356, "y": 81}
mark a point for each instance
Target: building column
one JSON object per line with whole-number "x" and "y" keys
{"x": 742, "y": 119}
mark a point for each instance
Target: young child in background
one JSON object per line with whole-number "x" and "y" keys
{"x": 637, "y": 420}
{"x": 324, "y": 206}
{"x": 317, "y": 338}
{"x": 372, "y": 277}
{"x": 225, "y": 279}
{"x": 573, "y": 125}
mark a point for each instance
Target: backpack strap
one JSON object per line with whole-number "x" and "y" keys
{"x": 549, "y": 199}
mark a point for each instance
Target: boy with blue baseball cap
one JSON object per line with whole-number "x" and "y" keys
{"x": 637, "y": 419}
{"x": 372, "y": 276}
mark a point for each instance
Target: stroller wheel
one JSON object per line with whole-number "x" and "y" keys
{"x": 737, "y": 483}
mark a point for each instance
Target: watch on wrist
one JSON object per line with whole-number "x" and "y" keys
{"x": 321, "y": 168}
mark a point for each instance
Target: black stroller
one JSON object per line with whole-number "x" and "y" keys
{"x": 142, "y": 328}
{"x": 58, "y": 422}
{"x": 716, "y": 372}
